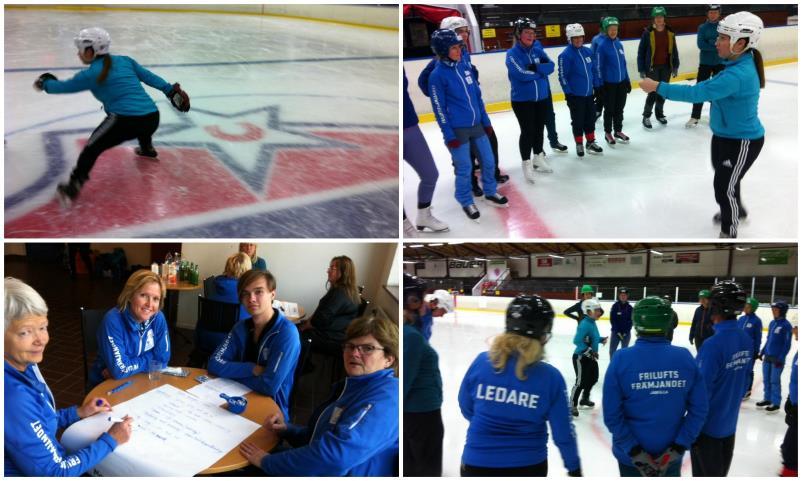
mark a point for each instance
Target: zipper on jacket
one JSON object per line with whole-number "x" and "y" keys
{"x": 333, "y": 404}
{"x": 584, "y": 64}
{"x": 468, "y": 96}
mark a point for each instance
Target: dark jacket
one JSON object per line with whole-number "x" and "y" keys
{"x": 333, "y": 314}
{"x": 646, "y": 50}
{"x": 701, "y": 326}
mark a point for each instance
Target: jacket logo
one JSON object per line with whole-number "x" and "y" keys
{"x": 588, "y": 59}
{"x": 727, "y": 164}
{"x": 468, "y": 77}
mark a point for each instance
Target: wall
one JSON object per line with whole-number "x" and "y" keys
{"x": 135, "y": 253}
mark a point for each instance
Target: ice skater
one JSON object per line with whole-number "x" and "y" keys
{"x": 620, "y": 321}
{"x": 115, "y": 80}
{"x": 586, "y": 355}
{"x": 612, "y": 67}
{"x": 709, "y": 62}
{"x": 598, "y": 94}
{"x": 575, "y": 311}
{"x": 734, "y": 93}
{"x": 778, "y": 343}
{"x": 658, "y": 59}
{"x": 753, "y": 326}
{"x": 701, "y": 326}
{"x": 789, "y": 447}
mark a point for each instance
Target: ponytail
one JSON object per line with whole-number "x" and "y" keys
{"x": 756, "y": 55}
{"x": 107, "y": 66}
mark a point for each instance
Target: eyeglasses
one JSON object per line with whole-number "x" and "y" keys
{"x": 364, "y": 349}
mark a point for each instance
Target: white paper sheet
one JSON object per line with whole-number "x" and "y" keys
{"x": 210, "y": 390}
{"x": 290, "y": 308}
{"x": 174, "y": 434}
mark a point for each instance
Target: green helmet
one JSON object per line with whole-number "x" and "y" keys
{"x": 601, "y": 21}
{"x": 753, "y": 302}
{"x": 659, "y": 12}
{"x": 586, "y": 289}
{"x": 704, "y": 293}
{"x": 652, "y": 316}
{"x": 607, "y": 22}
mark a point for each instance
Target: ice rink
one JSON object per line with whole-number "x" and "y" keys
{"x": 460, "y": 336}
{"x": 658, "y": 186}
{"x": 293, "y": 130}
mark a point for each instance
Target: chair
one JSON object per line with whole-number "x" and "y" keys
{"x": 208, "y": 286}
{"x": 306, "y": 348}
{"x": 90, "y": 322}
{"x": 215, "y": 320}
{"x": 363, "y": 306}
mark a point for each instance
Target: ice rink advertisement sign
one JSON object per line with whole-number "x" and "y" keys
{"x": 544, "y": 262}
{"x": 687, "y": 258}
{"x": 495, "y": 269}
{"x": 773, "y": 257}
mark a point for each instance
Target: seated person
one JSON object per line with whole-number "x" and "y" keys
{"x": 261, "y": 351}
{"x": 134, "y": 332}
{"x": 31, "y": 420}
{"x": 250, "y": 249}
{"x": 225, "y": 290}
{"x": 355, "y": 432}
{"x": 336, "y": 309}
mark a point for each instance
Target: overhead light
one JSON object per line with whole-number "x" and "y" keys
{"x": 479, "y": 259}
{"x": 655, "y": 252}
{"x": 415, "y": 246}
{"x": 435, "y": 245}
{"x": 742, "y": 248}
{"x": 556, "y": 257}
{"x": 455, "y": 243}
{"x": 410, "y": 262}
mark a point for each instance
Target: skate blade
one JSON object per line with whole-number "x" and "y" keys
{"x": 64, "y": 200}
{"x": 423, "y": 229}
{"x": 500, "y": 206}
{"x": 596, "y": 153}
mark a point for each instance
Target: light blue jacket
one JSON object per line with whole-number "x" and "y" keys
{"x": 528, "y": 86}
{"x": 587, "y": 335}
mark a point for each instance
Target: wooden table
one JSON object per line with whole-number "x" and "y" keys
{"x": 171, "y": 306}
{"x": 258, "y": 409}
{"x": 295, "y": 319}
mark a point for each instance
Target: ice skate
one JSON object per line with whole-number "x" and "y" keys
{"x": 426, "y": 219}
{"x": 593, "y": 148}
{"x": 558, "y": 147}
{"x": 662, "y": 119}
{"x": 575, "y": 411}
{"x": 622, "y": 137}
{"x": 587, "y": 402}
{"x": 762, "y": 403}
{"x": 539, "y": 164}
{"x": 472, "y": 212}
{"x": 529, "y": 173}
{"x": 146, "y": 152}
{"x": 647, "y": 123}
{"x": 497, "y": 200}
{"x": 502, "y": 178}
{"x": 609, "y": 138}
{"x": 477, "y": 191}
{"x": 68, "y": 192}
{"x": 409, "y": 229}
{"x": 691, "y": 123}
{"x": 772, "y": 409}
{"x": 580, "y": 151}
{"x": 741, "y": 217}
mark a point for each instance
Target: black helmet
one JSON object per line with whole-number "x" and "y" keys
{"x": 413, "y": 286}
{"x": 522, "y": 23}
{"x": 714, "y": 6}
{"x": 530, "y": 316}
{"x": 781, "y": 305}
{"x": 727, "y": 299}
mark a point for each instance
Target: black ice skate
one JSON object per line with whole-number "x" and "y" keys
{"x": 741, "y": 216}
{"x": 762, "y": 403}
{"x": 622, "y": 137}
{"x": 502, "y": 179}
{"x": 575, "y": 411}
{"x": 497, "y": 200}
{"x": 558, "y": 147}
{"x": 609, "y": 138}
{"x": 772, "y": 409}
{"x": 580, "y": 151}
{"x": 472, "y": 212}
{"x": 477, "y": 191}
{"x": 647, "y": 123}
{"x": 587, "y": 402}
{"x": 146, "y": 152}
{"x": 67, "y": 193}
{"x": 593, "y": 148}
{"x": 661, "y": 118}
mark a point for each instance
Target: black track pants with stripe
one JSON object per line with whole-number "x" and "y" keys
{"x": 587, "y": 374}
{"x": 731, "y": 159}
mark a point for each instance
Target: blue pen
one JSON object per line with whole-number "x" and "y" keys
{"x": 119, "y": 388}
{"x": 99, "y": 402}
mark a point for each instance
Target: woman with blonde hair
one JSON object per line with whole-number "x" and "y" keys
{"x": 225, "y": 290}
{"x": 336, "y": 309}
{"x": 134, "y": 332}
{"x": 258, "y": 262}
{"x": 509, "y": 393}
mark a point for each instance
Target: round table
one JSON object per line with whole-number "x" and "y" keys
{"x": 258, "y": 409}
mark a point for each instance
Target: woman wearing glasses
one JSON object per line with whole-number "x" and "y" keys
{"x": 355, "y": 432}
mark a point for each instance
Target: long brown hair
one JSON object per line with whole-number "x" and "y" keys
{"x": 758, "y": 57}
{"x": 106, "y": 67}
{"x": 347, "y": 278}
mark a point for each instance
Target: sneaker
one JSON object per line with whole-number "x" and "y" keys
{"x": 772, "y": 409}
{"x": 622, "y": 137}
{"x": 661, "y": 118}
{"x": 426, "y": 219}
{"x": 741, "y": 216}
{"x": 558, "y": 147}
{"x": 691, "y": 123}
{"x": 147, "y": 152}
{"x": 472, "y": 212}
{"x": 587, "y": 402}
{"x": 529, "y": 172}
{"x": 647, "y": 123}
{"x": 580, "y": 151}
{"x": 539, "y": 164}
{"x": 609, "y": 138}
{"x": 497, "y": 200}
{"x": 409, "y": 230}
{"x": 593, "y": 148}
{"x": 502, "y": 178}
{"x": 762, "y": 403}
{"x": 575, "y": 412}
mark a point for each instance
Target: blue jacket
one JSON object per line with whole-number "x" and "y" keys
{"x": 423, "y": 386}
{"x": 31, "y": 422}
{"x": 423, "y": 77}
{"x": 278, "y": 354}
{"x": 725, "y": 361}
{"x": 621, "y": 317}
{"x": 125, "y": 347}
{"x": 259, "y": 264}
{"x": 508, "y": 416}
{"x": 611, "y": 61}
{"x": 355, "y": 434}
{"x": 753, "y": 326}
{"x": 792, "y": 387}
{"x": 528, "y": 86}
{"x": 121, "y": 93}
{"x": 410, "y": 116}
{"x": 646, "y": 50}
{"x": 596, "y": 40}
{"x": 587, "y": 335}
{"x": 456, "y": 98}
{"x": 706, "y": 41}
{"x": 778, "y": 341}
{"x": 733, "y": 94}
{"x": 424, "y": 324}
{"x": 577, "y": 72}
{"x": 653, "y": 396}
{"x": 701, "y": 325}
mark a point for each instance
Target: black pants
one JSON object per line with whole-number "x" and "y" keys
{"x": 423, "y": 444}
{"x": 789, "y": 446}
{"x": 114, "y": 130}
{"x": 615, "y": 98}
{"x": 587, "y": 374}
{"x": 661, "y": 73}
{"x": 712, "y": 456}
{"x": 531, "y": 119}
{"x": 536, "y": 470}
{"x": 598, "y": 101}
{"x": 583, "y": 115}
{"x": 704, "y": 73}
{"x": 551, "y": 129}
{"x": 477, "y": 164}
{"x": 731, "y": 159}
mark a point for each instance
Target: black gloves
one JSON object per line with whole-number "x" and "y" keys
{"x": 39, "y": 84}
{"x": 532, "y": 67}
{"x": 577, "y": 473}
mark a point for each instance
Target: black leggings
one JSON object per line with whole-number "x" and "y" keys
{"x": 531, "y": 119}
{"x": 704, "y": 73}
{"x": 587, "y": 375}
{"x": 731, "y": 159}
{"x": 113, "y": 131}
{"x": 615, "y": 99}
{"x": 423, "y": 444}
{"x": 535, "y": 470}
{"x": 788, "y": 448}
{"x": 712, "y": 456}
{"x": 583, "y": 116}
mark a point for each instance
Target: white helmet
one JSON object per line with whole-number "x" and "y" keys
{"x": 742, "y": 25}
{"x": 443, "y": 298}
{"x": 590, "y": 305}
{"x": 94, "y": 37}
{"x": 453, "y": 23}
{"x": 574, "y": 30}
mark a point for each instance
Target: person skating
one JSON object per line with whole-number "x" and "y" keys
{"x": 578, "y": 77}
{"x": 598, "y": 94}
{"x": 575, "y": 311}
{"x": 709, "y": 62}
{"x": 789, "y": 447}
{"x": 674, "y": 320}
{"x": 778, "y": 343}
{"x": 658, "y": 59}
{"x": 612, "y": 66}
{"x": 753, "y": 326}
{"x": 701, "y": 326}
{"x": 586, "y": 355}
{"x": 620, "y": 321}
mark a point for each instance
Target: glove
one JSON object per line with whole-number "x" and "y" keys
{"x": 674, "y": 73}
{"x": 532, "y": 67}
{"x": 670, "y": 455}
{"x": 643, "y": 462}
{"x": 588, "y": 353}
{"x": 629, "y": 86}
{"x": 577, "y": 473}
{"x": 453, "y": 143}
{"x": 39, "y": 84}
{"x": 642, "y": 74}
{"x": 179, "y": 98}
{"x": 489, "y": 130}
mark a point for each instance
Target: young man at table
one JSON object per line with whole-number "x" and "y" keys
{"x": 261, "y": 351}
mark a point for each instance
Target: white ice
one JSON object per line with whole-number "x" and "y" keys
{"x": 460, "y": 336}
{"x": 658, "y": 186}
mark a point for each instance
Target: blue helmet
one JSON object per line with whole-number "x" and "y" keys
{"x": 442, "y": 40}
{"x": 781, "y": 305}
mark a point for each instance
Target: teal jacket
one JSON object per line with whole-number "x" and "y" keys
{"x": 706, "y": 41}
{"x": 587, "y": 336}
{"x": 423, "y": 385}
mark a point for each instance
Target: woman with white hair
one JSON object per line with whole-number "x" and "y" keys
{"x": 30, "y": 415}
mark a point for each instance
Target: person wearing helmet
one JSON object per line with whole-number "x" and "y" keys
{"x": 753, "y": 326}
{"x": 441, "y": 302}
{"x": 423, "y": 390}
{"x": 620, "y": 321}
{"x": 115, "y": 80}
{"x": 653, "y": 400}
{"x": 528, "y": 68}
{"x": 778, "y": 343}
{"x": 578, "y": 77}
{"x": 734, "y": 94}
{"x": 612, "y": 69}
{"x": 674, "y": 320}
{"x": 598, "y": 94}
{"x": 586, "y": 355}
{"x": 701, "y": 326}
{"x": 789, "y": 447}
{"x": 709, "y": 62}
{"x": 414, "y": 287}
{"x": 724, "y": 361}
{"x": 509, "y": 393}
{"x": 658, "y": 59}
{"x": 575, "y": 311}
{"x": 460, "y": 112}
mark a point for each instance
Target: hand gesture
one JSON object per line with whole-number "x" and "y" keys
{"x": 648, "y": 85}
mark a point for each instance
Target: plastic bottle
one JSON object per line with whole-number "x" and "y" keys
{"x": 155, "y": 268}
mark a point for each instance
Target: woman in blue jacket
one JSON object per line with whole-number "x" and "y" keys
{"x": 225, "y": 290}
{"x": 753, "y": 326}
{"x": 355, "y": 432}
{"x": 115, "y": 81}
{"x": 508, "y": 395}
{"x": 738, "y": 134}
{"x": 528, "y": 68}
{"x": 31, "y": 420}
{"x": 778, "y": 343}
{"x": 612, "y": 65}
{"x": 134, "y": 332}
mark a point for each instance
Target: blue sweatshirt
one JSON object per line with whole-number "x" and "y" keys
{"x": 792, "y": 387}
{"x": 423, "y": 77}
{"x": 778, "y": 341}
{"x": 259, "y": 264}
{"x": 577, "y": 73}
{"x": 725, "y": 361}
{"x": 621, "y": 317}
{"x": 126, "y": 347}
{"x": 611, "y": 61}
{"x": 423, "y": 386}
{"x": 121, "y": 93}
{"x": 733, "y": 93}
{"x": 587, "y": 335}
{"x": 753, "y": 326}
{"x": 355, "y": 434}
{"x": 456, "y": 98}
{"x": 31, "y": 422}
{"x": 278, "y": 354}
{"x": 424, "y": 324}
{"x": 410, "y": 116}
{"x": 653, "y": 396}
{"x": 706, "y": 41}
{"x": 508, "y": 416}
{"x": 528, "y": 86}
